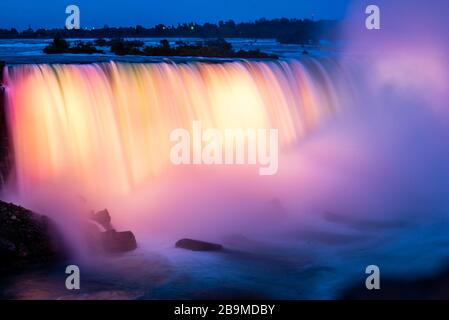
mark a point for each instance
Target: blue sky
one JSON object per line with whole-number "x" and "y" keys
{"x": 96, "y": 13}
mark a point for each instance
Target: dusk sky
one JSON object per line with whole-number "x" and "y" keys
{"x": 49, "y": 13}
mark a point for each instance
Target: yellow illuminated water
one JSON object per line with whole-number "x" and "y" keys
{"x": 106, "y": 126}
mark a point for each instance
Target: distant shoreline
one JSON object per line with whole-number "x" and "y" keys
{"x": 295, "y": 31}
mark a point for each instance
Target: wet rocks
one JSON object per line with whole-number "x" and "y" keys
{"x": 197, "y": 245}
{"x": 109, "y": 240}
{"x": 113, "y": 241}
{"x": 103, "y": 218}
{"x": 27, "y": 238}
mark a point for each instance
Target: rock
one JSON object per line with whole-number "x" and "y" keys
{"x": 27, "y": 238}
{"x": 7, "y": 248}
{"x": 197, "y": 245}
{"x": 108, "y": 240}
{"x": 103, "y": 218}
{"x": 113, "y": 241}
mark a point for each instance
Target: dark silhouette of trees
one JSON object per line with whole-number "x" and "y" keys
{"x": 218, "y": 48}
{"x": 301, "y": 31}
{"x": 60, "y": 45}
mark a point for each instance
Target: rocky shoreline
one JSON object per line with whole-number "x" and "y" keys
{"x": 31, "y": 245}
{"x": 28, "y": 239}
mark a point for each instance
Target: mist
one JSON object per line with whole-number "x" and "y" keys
{"x": 363, "y": 146}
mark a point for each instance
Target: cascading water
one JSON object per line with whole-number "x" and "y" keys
{"x": 362, "y": 178}
{"x": 86, "y": 137}
{"x": 105, "y": 128}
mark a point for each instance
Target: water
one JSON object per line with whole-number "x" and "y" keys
{"x": 91, "y": 136}
{"x": 362, "y": 177}
{"x": 22, "y": 51}
{"x": 107, "y": 126}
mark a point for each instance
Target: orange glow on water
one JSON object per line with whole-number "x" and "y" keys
{"x": 106, "y": 126}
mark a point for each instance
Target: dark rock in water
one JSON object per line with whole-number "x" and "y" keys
{"x": 197, "y": 245}
{"x": 27, "y": 238}
{"x": 110, "y": 240}
{"x": 114, "y": 241}
{"x": 103, "y": 218}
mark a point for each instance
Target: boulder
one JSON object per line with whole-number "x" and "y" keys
{"x": 27, "y": 238}
{"x": 101, "y": 235}
{"x": 113, "y": 241}
{"x": 103, "y": 218}
{"x": 197, "y": 245}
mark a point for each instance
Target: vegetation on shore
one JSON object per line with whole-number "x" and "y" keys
{"x": 218, "y": 48}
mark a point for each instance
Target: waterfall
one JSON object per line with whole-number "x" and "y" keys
{"x": 106, "y": 126}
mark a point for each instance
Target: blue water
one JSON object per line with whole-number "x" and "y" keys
{"x": 303, "y": 263}
{"x": 31, "y": 51}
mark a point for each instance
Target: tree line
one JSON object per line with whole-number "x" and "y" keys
{"x": 300, "y": 31}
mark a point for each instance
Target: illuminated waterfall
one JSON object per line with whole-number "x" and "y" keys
{"x": 107, "y": 126}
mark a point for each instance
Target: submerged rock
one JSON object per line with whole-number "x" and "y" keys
{"x": 103, "y": 218}
{"x": 27, "y": 238}
{"x": 113, "y": 241}
{"x": 197, "y": 245}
